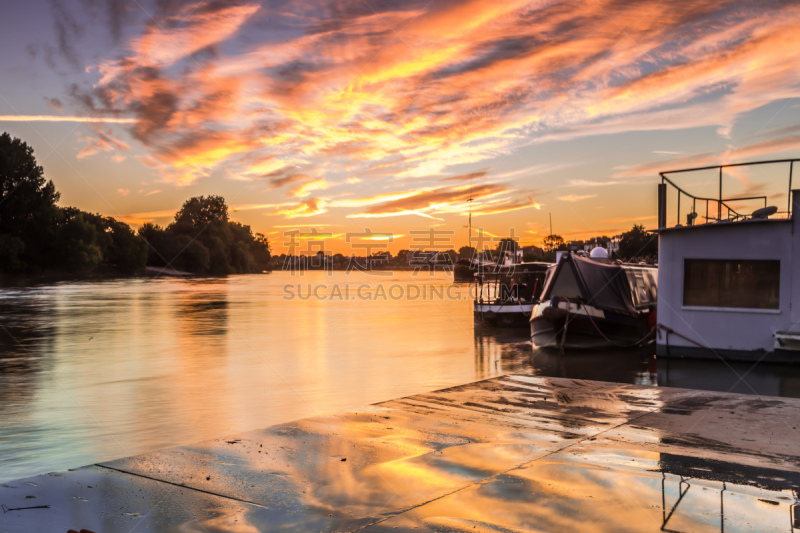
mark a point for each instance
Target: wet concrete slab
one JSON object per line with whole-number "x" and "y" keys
{"x": 514, "y": 453}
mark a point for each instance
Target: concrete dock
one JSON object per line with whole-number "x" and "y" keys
{"x": 514, "y": 453}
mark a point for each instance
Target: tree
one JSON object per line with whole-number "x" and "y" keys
{"x": 507, "y": 244}
{"x": 77, "y": 248}
{"x": 11, "y": 249}
{"x": 553, "y": 242}
{"x": 466, "y": 252}
{"x": 200, "y": 211}
{"x": 529, "y": 257}
{"x": 22, "y": 181}
{"x": 638, "y": 243}
{"x": 127, "y": 251}
{"x": 202, "y": 240}
{"x": 27, "y": 205}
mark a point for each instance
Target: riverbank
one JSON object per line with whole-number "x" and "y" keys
{"x": 510, "y": 453}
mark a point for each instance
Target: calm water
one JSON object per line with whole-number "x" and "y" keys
{"x": 101, "y": 370}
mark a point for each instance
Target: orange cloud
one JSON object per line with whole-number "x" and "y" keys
{"x": 189, "y": 30}
{"x": 413, "y": 92}
{"x": 304, "y": 189}
{"x": 310, "y": 207}
{"x": 576, "y": 197}
{"x": 137, "y": 219}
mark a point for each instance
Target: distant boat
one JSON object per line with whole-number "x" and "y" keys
{"x": 591, "y": 302}
{"x": 505, "y": 296}
{"x": 464, "y": 271}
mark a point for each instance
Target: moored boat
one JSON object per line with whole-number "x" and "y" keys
{"x": 591, "y": 302}
{"x": 464, "y": 271}
{"x": 505, "y": 296}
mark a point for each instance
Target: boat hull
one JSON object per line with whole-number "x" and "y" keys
{"x": 503, "y": 315}
{"x": 576, "y": 330}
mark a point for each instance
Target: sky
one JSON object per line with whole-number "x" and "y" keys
{"x": 386, "y": 118}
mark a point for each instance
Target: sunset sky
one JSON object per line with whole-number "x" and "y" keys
{"x": 388, "y": 115}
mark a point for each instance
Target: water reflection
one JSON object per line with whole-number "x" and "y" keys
{"x": 502, "y": 351}
{"x": 767, "y": 379}
{"x": 95, "y": 371}
{"x": 202, "y": 308}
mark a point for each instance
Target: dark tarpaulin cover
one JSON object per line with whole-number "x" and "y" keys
{"x": 605, "y": 285}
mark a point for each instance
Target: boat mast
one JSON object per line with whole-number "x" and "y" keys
{"x": 469, "y": 241}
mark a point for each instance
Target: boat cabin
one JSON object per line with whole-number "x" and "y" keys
{"x": 727, "y": 287}
{"x": 505, "y": 295}
{"x": 608, "y": 285}
{"x": 523, "y": 281}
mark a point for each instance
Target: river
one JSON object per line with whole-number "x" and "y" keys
{"x": 93, "y": 371}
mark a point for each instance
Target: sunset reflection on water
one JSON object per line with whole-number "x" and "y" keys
{"x": 92, "y": 371}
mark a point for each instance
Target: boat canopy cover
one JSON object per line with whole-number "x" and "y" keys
{"x": 601, "y": 285}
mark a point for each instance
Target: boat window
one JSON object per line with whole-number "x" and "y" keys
{"x": 641, "y": 296}
{"x": 750, "y": 284}
{"x": 565, "y": 284}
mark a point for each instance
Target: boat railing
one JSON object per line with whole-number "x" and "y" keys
{"x": 726, "y": 211}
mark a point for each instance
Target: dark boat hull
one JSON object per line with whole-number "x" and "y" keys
{"x": 578, "y": 331}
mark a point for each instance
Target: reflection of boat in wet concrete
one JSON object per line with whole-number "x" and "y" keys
{"x": 505, "y": 296}
{"x": 590, "y": 302}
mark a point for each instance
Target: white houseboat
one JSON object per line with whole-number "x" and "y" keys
{"x": 726, "y": 285}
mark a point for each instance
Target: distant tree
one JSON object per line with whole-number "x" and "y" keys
{"x": 637, "y": 243}
{"x": 201, "y": 211}
{"x": 466, "y": 252}
{"x": 553, "y": 242}
{"x": 507, "y": 245}
{"x": 402, "y": 257}
{"x": 127, "y": 251}
{"x": 259, "y": 248}
{"x": 203, "y": 240}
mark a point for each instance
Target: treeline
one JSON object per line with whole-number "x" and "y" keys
{"x": 38, "y": 236}
{"x": 203, "y": 240}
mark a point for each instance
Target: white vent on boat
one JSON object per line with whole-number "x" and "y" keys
{"x": 599, "y": 253}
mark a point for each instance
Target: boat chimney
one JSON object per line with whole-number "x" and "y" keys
{"x": 795, "y": 214}
{"x": 662, "y": 205}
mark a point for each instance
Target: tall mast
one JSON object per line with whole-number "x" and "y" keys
{"x": 469, "y": 241}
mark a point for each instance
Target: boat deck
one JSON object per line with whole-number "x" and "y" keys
{"x": 512, "y": 453}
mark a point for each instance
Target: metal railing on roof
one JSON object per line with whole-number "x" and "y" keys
{"x": 731, "y": 214}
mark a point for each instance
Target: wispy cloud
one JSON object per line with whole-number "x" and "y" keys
{"x": 61, "y": 118}
{"x": 101, "y": 140}
{"x": 576, "y": 197}
{"x": 482, "y": 80}
{"x": 414, "y": 105}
